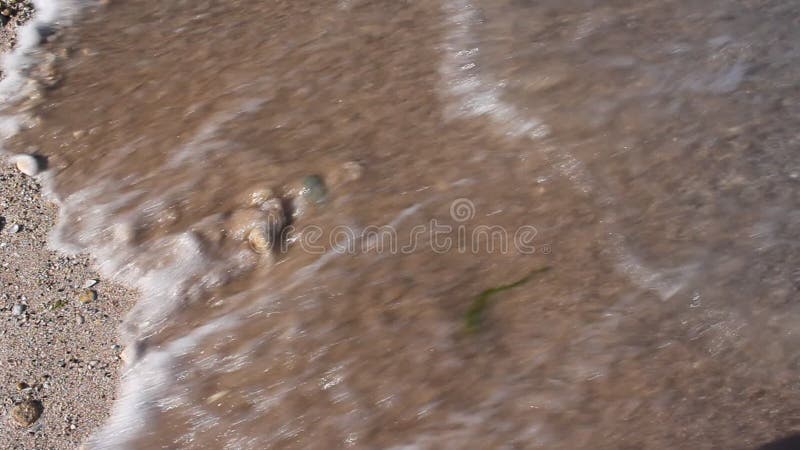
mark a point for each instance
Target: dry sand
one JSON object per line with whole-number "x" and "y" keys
{"x": 58, "y": 351}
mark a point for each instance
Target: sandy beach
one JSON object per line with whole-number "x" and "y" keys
{"x": 55, "y": 349}
{"x": 57, "y": 352}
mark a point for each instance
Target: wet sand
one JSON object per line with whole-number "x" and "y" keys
{"x": 650, "y": 143}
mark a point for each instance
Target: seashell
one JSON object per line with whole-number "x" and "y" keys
{"x": 260, "y": 240}
{"x": 14, "y": 228}
{"x": 27, "y": 164}
{"x": 87, "y": 295}
{"x": 89, "y": 283}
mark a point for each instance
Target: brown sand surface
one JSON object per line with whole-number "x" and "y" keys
{"x": 58, "y": 351}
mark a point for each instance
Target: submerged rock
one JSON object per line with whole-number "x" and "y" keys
{"x": 352, "y": 170}
{"x": 314, "y": 188}
{"x": 261, "y": 227}
{"x": 26, "y": 412}
{"x": 259, "y": 240}
{"x": 260, "y": 196}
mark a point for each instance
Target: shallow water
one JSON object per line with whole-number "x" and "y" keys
{"x": 643, "y": 150}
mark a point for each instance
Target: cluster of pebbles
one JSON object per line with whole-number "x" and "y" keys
{"x": 19, "y": 10}
{"x": 259, "y": 223}
{"x": 264, "y": 215}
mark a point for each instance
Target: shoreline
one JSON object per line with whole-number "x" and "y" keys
{"x": 65, "y": 352}
{"x": 55, "y": 349}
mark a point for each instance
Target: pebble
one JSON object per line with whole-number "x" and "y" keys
{"x": 314, "y": 188}
{"x": 87, "y": 296}
{"x": 26, "y": 412}
{"x": 80, "y": 320}
{"x": 259, "y": 240}
{"x": 89, "y": 283}
{"x": 18, "y": 309}
{"x": 353, "y": 170}
{"x": 242, "y": 221}
{"x": 260, "y": 196}
{"x": 27, "y": 164}
{"x": 14, "y": 228}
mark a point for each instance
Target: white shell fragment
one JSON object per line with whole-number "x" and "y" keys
{"x": 27, "y": 164}
{"x": 89, "y": 283}
{"x": 14, "y": 228}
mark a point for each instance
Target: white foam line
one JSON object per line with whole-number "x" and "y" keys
{"x": 48, "y": 16}
{"x": 478, "y": 94}
{"x": 144, "y": 384}
{"x": 474, "y": 94}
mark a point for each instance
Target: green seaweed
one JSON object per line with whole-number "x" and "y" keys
{"x": 474, "y": 315}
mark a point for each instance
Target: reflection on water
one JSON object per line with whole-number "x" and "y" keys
{"x": 648, "y": 144}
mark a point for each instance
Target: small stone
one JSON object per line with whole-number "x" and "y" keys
{"x": 260, "y": 196}
{"x": 352, "y": 170}
{"x": 27, "y": 164}
{"x": 14, "y": 228}
{"x": 22, "y": 385}
{"x": 314, "y": 188}
{"x": 18, "y": 309}
{"x": 89, "y": 283}
{"x": 80, "y": 320}
{"x": 87, "y": 295}
{"x": 242, "y": 221}
{"x": 26, "y": 412}
{"x": 259, "y": 240}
